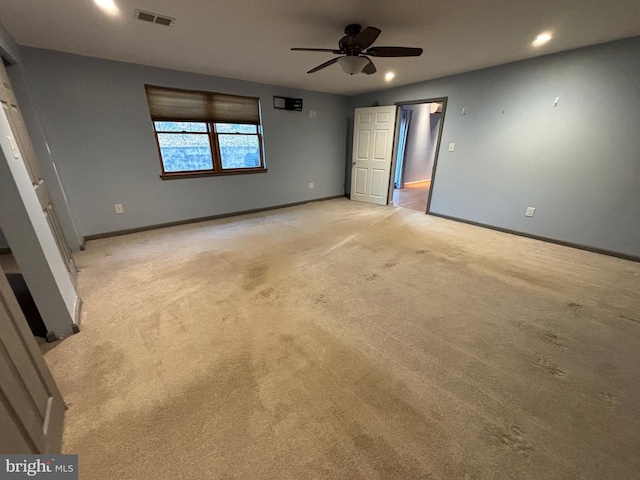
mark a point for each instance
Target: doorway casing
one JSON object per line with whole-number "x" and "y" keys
{"x": 443, "y": 101}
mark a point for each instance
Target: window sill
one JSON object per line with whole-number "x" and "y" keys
{"x": 244, "y": 171}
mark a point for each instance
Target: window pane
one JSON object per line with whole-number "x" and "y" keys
{"x": 180, "y": 127}
{"x": 239, "y": 151}
{"x": 183, "y": 152}
{"x": 235, "y": 128}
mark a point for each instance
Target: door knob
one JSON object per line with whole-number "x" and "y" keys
{"x": 353, "y": 163}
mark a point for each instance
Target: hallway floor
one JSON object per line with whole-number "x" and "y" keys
{"x": 413, "y": 196}
{"x": 8, "y": 263}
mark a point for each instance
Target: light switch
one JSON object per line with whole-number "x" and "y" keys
{"x": 452, "y": 147}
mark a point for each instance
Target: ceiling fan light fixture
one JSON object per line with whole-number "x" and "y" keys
{"x": 352, "y": 64}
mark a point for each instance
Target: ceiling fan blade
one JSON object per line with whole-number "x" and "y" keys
{"x": 338, "y": 52}
{"x": 366, "y": 37}
{"x": 370, "y": 68}
{"x": 394, "y": 52}
{"x": 325, "y": 64}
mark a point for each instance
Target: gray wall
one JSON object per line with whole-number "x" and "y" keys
{"x": 45, "y": 160}
{"x": 12, "y": 52}
{"x": 9, "y": 49}
{"x": 422, "y": 139}
{"x": 97, "y": 124}
{"x": 577, "y": 163}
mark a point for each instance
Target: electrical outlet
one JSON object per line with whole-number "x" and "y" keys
{"x": 119, "y": 208}
{"x": 452, "y": 147}
{"x": 312, "y": 185}
{"x": 530, "y": 211}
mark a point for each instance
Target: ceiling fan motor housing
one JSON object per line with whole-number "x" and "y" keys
{"x": 347, "y": 43}
{"x": 353, "y": 29}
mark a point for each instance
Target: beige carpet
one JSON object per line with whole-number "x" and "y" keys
{"x": 339, "y": 340}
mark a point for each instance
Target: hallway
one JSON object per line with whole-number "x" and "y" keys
{"x": 413, "y": 196}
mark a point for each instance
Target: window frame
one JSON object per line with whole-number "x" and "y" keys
{"x": 216, "y": 155}
{"x": 213, "y": 136}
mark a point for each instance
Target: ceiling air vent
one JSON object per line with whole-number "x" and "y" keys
{"x": 154, "y": 18}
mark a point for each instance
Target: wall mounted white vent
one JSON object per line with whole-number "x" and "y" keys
{"x": 154, "y": 18}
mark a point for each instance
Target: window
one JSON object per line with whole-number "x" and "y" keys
{"x": 202, "y": 133}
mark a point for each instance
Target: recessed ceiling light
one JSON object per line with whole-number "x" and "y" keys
{"x": 108, "y": 6}
{"x": 541, "y": 39}
{"x": 389, "y": 76}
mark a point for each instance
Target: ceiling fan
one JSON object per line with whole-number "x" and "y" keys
{"x": 354, "y": 47}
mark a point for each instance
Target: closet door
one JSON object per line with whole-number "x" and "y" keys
{"x": 32, "y": 409}
{"x": 27, "y": 153}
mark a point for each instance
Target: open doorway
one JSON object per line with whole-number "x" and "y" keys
{"x": 13, "y": 274}
{"x": 418, "y": 132}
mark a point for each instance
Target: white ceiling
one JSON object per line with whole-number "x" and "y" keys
{"x": 250, "y": 39}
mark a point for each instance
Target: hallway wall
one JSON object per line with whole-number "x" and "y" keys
{"x": 422, "y": 140}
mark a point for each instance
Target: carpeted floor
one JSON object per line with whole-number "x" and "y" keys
{"x": 339, "y": 340}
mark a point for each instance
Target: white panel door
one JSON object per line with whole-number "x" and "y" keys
{"x": 23, "y": 143}
{"x": 373, "y": 132}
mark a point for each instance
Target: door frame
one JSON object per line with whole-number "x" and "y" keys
{"x": 399, "y": 105}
